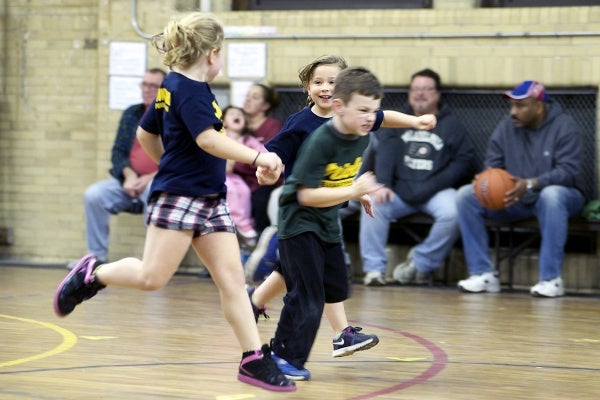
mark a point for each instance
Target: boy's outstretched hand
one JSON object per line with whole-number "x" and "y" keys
{"x": 367, "y": 204}
{"x": 266, "y": 176}
{"x": 425, "y": 122}
{"x": 365, "y": 184}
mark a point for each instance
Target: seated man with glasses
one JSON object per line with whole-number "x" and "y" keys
{"x": 421, "y": 171}
{"x": 131, "y": 173}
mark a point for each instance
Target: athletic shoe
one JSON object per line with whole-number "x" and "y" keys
{"x": 486, "y": 282}
{"x": 258, "y": 311}
{"x": 352, "y": 340}
{"x": 289, "y": 370}
{"x": 407, "y": 273}
{"x": 259, "y": 369}
{"x": 248, "y": 238}
{"x": 374, "y": 278}
{"x": 72, "y": 264}
{"x": 79, "y": 285}
{"x": 264, "y": 258}
{"x": 551, "y": 288}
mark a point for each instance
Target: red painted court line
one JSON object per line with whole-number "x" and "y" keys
{"x": 440, "y": 359}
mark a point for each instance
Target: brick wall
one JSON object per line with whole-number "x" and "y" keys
{"x": 56, "y": 128}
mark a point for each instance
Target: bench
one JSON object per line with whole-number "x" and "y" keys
{"x": 530, "y": 229}
{"x": 503, "y": 237}
{"x": 413, "y": 228}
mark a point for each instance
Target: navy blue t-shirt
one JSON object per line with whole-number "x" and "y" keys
{"x": 183, "y": 109}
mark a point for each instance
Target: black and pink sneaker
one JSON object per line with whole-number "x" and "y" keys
{"x": 79, "y": 285}
{"x": 259, "y": 369}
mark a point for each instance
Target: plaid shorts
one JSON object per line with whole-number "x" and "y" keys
{"x": 203, "y": 215}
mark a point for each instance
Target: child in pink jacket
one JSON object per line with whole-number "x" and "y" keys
{"x": 238, "y": 192}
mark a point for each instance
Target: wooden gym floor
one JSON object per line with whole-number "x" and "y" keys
{"x": 435, "y": 343}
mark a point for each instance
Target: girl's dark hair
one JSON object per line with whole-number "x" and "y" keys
{"x": 230, "y": 107}
{"x": 270, "y": 95}
{"x": 305, "y": 74}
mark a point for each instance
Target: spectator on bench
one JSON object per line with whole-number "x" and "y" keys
{"x": 540, "y": 146}
{"x": 261, "y": 101}
{"x": 132, "y": 170}
{"x": 420, "y": 170}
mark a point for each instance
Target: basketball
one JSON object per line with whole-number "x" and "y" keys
{"x": 490, "y": 187}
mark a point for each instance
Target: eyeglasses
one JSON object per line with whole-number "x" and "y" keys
{"x": 146, "y": 85}
{"x": 423, "y": 89}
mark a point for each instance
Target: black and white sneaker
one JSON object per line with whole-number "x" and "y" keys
{"x": 352, "y": 340}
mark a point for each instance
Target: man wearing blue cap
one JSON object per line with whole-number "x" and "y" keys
{"x": 540, "y": 146}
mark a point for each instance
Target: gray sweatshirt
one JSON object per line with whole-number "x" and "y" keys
{"x": 551, "y": 154}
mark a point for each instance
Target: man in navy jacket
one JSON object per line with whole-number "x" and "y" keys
{"x": 421, "y": 171}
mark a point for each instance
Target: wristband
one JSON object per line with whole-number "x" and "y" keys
{"x": 256, "y": 158}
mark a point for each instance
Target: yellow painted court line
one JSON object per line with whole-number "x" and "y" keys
{"x": 235, "y": 396}
{"x": 68, "y": 341}
{"x": 586, "y": 340}
{"x": 98, "y": 337}
{"x": 406, "y": 359}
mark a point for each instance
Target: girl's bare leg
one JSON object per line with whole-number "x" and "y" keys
{"x": 274, "y": 285}
{"x": 220, "y": 253}
{"x": 271, "y": 287}
{"x": 163, "y": 252}
{"x": 336, "y": 314}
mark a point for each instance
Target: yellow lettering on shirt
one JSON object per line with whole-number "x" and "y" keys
{"x": 163, "y": 99}
{"x": 340, "y": 175}
{"x": 218, "y": 114}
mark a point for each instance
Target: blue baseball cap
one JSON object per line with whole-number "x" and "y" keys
{"x": 526, "y": 89}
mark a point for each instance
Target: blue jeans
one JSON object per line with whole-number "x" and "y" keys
{"x": 101, "y": 199}
{"x": 429, "y": 254}
{"x": 552, "y": 209}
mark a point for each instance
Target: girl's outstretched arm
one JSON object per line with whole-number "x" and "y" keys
{"x": 222, "y": 146}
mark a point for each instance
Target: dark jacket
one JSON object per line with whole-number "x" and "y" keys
{"x": 417, "y": 164}
{"x": 126, "y": 133}
{"x": 552, "y": 153}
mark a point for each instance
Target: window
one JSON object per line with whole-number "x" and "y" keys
{"x": 538, "y": 3}
{"x": 261, "y": 5}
